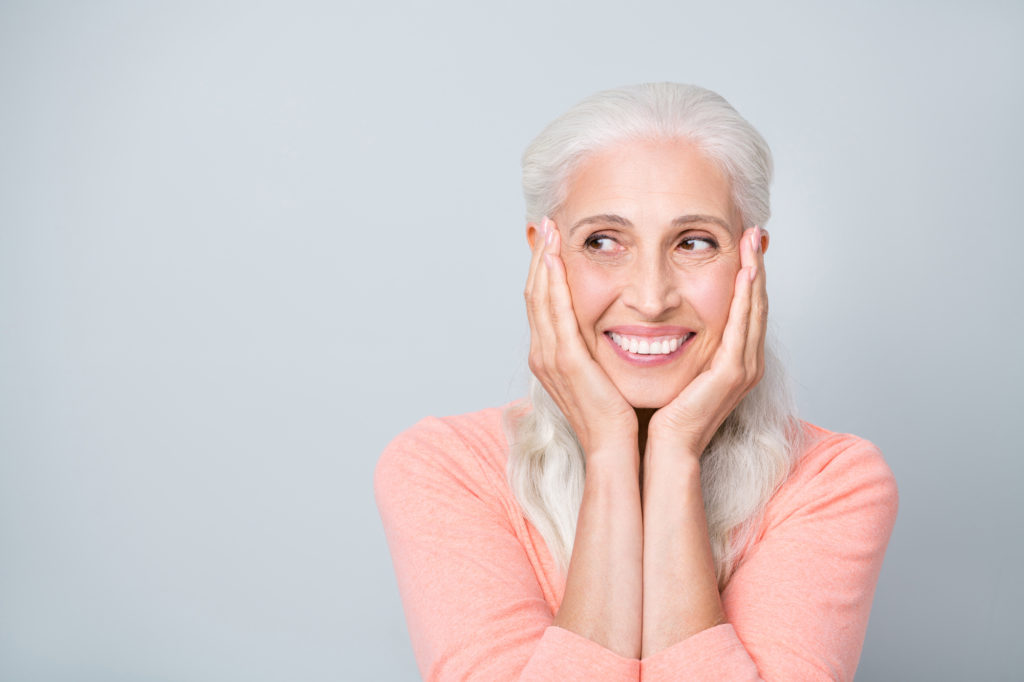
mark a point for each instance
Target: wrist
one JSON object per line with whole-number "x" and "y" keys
{"x": 672, "y": 472}
{"x": 674, "y": 450}
{"x": 669, "y": 436}
{"x": 614, "y": 462}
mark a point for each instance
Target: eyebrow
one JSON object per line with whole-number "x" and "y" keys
{"x": 699, "y": 218}
{"x": 603, "y": 219}
{"x": 681, "y": 221}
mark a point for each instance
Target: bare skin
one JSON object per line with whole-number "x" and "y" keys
{"x": 641, "y": 577}
{"x": 603, "y": 598}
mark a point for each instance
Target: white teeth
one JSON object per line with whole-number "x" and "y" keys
{"x": 622, "y": 342}
{"x": 645, "y": 346}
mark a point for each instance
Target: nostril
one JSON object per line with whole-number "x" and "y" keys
{"x": 652, "y": 292}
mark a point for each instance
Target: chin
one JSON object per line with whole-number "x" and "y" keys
{"x": 651, "y": 389}
{"x": 650, "y": 398}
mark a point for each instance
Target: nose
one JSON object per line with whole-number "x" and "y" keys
{"x": 651, "y": 290}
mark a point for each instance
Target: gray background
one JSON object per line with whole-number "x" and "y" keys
{"x": 244, "y": 245}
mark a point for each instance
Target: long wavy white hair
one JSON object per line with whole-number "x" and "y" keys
{"x": 752, "y": 452}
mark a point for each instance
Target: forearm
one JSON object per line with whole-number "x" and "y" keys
{"x": 603, "y": 591}
{"x": 680, "y": 588}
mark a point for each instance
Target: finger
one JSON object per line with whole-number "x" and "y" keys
{"x": 758, "y": 308}
{"x": 536, "y": 264}
{"x": 737, "y": 327}
{"x": 563, "y": 315}
{"x": 732, "y": 350}
{"x": 536, "y": 253}
{"x": 544, "y": 331}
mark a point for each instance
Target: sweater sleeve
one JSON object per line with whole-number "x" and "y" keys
{"x": 797, "y": 605}
{"x": 472, "y": 600}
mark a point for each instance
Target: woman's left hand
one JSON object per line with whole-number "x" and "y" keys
{"x": 688, "y": 422}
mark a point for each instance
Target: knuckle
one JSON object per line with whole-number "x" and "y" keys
{"x": 535, "y": 361}
{"x": 758, "y": 368}
{"x": 735, "y": 375}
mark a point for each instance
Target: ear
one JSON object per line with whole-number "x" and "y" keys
{"x": 764, "y": 240}
{"x": 532, "y": 234}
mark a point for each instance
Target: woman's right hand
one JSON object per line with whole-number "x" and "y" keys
{"x": 602, "y": 419}
{"x": 603, "y": 598}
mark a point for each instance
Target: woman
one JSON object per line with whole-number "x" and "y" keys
{"x": 655, "y": 511}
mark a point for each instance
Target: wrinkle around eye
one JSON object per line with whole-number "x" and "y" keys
{"x": 708, "y": 244}
{"x": 610, "y": 246}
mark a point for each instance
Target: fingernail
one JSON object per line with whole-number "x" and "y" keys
{"x": 755, "y": 239}
{"x": 550, "y": 238}
{"x": 545, "y": 226}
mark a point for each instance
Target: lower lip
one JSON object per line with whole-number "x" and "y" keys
{"x": 649, "y": 360}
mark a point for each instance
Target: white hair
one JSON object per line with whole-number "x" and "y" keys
{"x": 752, "y": 452}
{"x": 649, "y": 111}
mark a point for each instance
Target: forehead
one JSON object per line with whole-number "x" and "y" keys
{"x": 649, "y": 181}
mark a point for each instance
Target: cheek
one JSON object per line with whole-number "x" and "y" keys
{"x": 711, "y": 296}
{"x": 593, "y": 290}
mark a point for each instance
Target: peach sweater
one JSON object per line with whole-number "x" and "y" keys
{"x": 480, "y": 588}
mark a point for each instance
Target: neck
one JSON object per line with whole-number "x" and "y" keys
{"x": 643, "y": 420}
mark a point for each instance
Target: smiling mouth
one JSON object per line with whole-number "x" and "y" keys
{"x": 645, "y": 345}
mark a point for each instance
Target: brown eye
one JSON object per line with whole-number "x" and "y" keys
{"x": 600, "y": 242}
{"x": 697, "y": 244}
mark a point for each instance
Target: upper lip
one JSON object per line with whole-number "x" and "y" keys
{"x": 650, "y": 332}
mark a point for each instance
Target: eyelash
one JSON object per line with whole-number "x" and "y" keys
{"x": 711, "y": 242}
{"x": 592, "y": 241}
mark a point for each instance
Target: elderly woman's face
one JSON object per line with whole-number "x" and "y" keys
{"x": 650, "y": 242}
